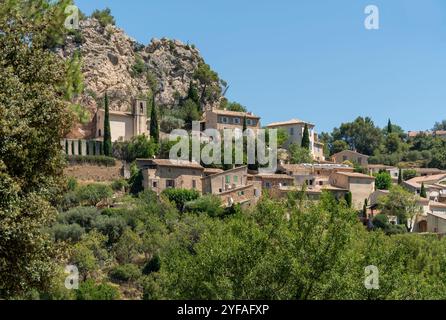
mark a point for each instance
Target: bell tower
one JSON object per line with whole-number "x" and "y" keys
{"x": 139, "y": 117}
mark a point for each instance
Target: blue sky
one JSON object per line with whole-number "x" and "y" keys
{"x": 310, "y": 59}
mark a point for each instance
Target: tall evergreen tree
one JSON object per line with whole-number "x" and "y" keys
{"x": 423, "y": 193}
{"x": 107, "y": 132}
{"x": 400, "y": 177}
{"x": 389, "y": 127}
{"x": 245, "y": 124}
{"x": 154, "y": 127}
{"x": 306, "y": 138}
{"x": 348, "y": 199}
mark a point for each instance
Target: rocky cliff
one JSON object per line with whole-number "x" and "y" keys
{"x": 114, "y": 62}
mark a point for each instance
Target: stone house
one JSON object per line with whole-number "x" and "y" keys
{"x": 312, "y": 174}
{"x": 124, "y": 125}
{"x": 233, "y": 187}
{"x": 435, "y": 186}
{"x": 436, "y": 219}
{"x": 224, "y": 119}
{"x": 352, "y": 156}
{"x": 161, "y": 174}
{"x": 377, "y": 168}
{"x": 360, "y": 185}
{"x": 295, "y": 130}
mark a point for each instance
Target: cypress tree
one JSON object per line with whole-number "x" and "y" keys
{"x": 66, "y": 147}
{"x": 423, "y": 193}
{"x": 306, "y": 138}
{"x": 364, "y": 208}
{"x": 72, "y": 148}
{"x": 107, "y": 133}
{"x": 348, "y": 199}
{"x": 154, "y": 128}
{"x": 245, "y": 124}
{"x": 400, "y": 177}
{"x": 79, "y": 147}
{"x": 389, "y": 127}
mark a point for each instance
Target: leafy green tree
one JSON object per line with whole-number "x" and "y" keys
{"x": 208, "y": 204}
{"x": 33, "y": 120}
{"x": 383, "y": 181}
{"x": 361, "y": 135}
{"x": 439, "y": 126}
{"x": 299, "y": 154}
{"x": 306, "y": 138}
{"x": 338, "y": 146}
{"x": 208, "y": 80}
{"x": 400, "y": 203}
{"x": 154, "y": 126}
{"x": 181, "y": 196}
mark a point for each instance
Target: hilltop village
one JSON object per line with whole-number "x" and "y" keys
{"x": 346, "y": 174}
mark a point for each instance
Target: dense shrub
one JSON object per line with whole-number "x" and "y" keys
{"x": 92, "y": 194}
{"x": 82, "y": 216}
{"x": 104, "y": 17}
{"x": 125, "y": 272}
{"x": 409, "y": 174}
{"x": 181, "y": 196}
{"x": 138, "y": 147}
{"x": 208, "y": 204}
{"x": 169, "y": 123}
{"x": 93, "y": 160}
{"x": 119, "y": 185}
{"x": 153, "y": 265}
{"x": 72, "y": 232}
{"x": 112, "y": 227}
{"x": 89, "y": 290}
{"x": 383, "y": 181}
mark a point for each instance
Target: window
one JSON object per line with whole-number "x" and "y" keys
{"x": 241, "y": 193}
{"x": 154, "y": 184}
{"x": 194, "y": 184}
{"x": 267, "y": 185}
{"x": 100, "y": 133}
{"x": 235, "y": 179}
{"x": 291, "y": 131}
{"x": 249, "y": 122}
{"x": 224, "y": 120}
{"x": 236, "y": 120}
{"x": 170, "y": 183}
{"x": 228, "y": 179}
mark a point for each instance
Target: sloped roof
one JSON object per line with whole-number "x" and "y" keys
{"x": 289, "y": 122}
{"x": 172, "y": 163}
{"x": 351, "y": 152}
{"x": 235, "y": 113}
{"x": 355, "y": 175}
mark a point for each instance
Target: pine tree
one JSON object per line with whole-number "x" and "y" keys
{"x": 389, "y": 127}
{"x": 306, "y": 138}
{"x": 154, "y": 128}
{"x": 107, "y": 133}
{"x": 423, "y": 193}
{"x": 400, "y": 177}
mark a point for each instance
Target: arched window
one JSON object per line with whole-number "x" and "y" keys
{"x": 100, "y": 133}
